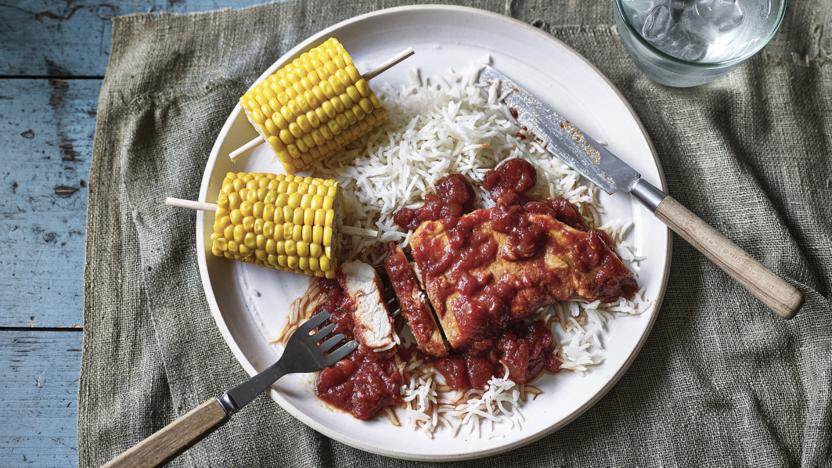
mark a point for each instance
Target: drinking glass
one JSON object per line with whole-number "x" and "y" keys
{"x": 684, "y": 43}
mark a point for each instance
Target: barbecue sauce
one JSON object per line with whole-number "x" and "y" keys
{"x": 453, "y": 197}
{"x": 365, "y": 382}
{"x": 509, "y": 181}
{"x": 524, "y": 350}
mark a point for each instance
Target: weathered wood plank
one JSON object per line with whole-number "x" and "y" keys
{"x": 46, "y": 129}
{"x": 72, "y": 38}
{"x": 40, "y": 385}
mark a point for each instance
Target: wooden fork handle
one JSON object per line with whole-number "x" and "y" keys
{"x": 773, "y": 291}
{"x": 174, "y": 438}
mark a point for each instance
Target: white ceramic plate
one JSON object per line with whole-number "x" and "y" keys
{"x": 249, "y": 303}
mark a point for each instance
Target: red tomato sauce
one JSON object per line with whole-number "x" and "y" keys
{"x": 525, "y": 350}
{"x": 365, "y": 382}
{"x": 453, "y": 197}
{"x": 509, "y": 181}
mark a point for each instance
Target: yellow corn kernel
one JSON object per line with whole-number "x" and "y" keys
{"x": 327, "y": 236}
{"x": 290, "y": 246}
{"x": 268, "y": 228}
{"x": 250, "y": 240}
{"x": 295, "y": 130}
{"x": 320, "y": 217}
{"x": 374, "y": 100}
{"x": 233, "y": 200}
{"x": 292, "y": 262}
{"x": 325, "y": 263}
{"x": 315, "y": 250}
{"x": 308, "y": 216}
{"x": 302, "y": 248}
{"x": 363, "y": 88}
{"x": 221, "y": 244}
{"x": 310, "y": 143}
{"x": 352, "y": 72}
{"x": 246, "y": 208}
{"x": 294, "y": 198}
{"x": 331, "y": 67}
{"x": 239, "y": 233}
{"x": 268, "y": 210}
{"x": 297, "y": 216}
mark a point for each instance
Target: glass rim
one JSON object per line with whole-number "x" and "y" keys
{"x": 738, "y": 59}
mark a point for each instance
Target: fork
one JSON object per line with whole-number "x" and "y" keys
{"x": 305, "y": 352}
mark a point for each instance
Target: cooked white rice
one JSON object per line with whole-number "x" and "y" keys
{"x": 446, "y": 125}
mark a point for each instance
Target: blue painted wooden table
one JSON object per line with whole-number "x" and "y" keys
{"x": 52, "y": 59}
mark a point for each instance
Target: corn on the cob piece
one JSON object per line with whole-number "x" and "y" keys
{"x": 282, "y": 221}
{"x": 313, "y": 107}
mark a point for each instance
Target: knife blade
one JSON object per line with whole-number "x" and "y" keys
{"x": 599, "y": 165}
{"x": 564, "y": 140}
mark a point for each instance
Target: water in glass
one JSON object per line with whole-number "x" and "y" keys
{"x": 698, "y": 32}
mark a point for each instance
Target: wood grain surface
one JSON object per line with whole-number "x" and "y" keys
{"x": 46, "y": 133}
{"x": 72, "y": 38}
{"x": 39, "y": 382}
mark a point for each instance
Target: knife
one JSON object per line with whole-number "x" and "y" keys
{"x": 596, "y": 163}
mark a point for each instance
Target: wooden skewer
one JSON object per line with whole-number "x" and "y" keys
{"x": 190, "y": 204}
{"x": 386, "y": 65}
{"x": 203, "y": 206}
{"x": 389, "y": 63}
{"x": 358, "y": 231}
{"x": 253, "y": 143}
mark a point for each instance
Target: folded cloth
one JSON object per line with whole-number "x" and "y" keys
{"x": 720, "y": 380}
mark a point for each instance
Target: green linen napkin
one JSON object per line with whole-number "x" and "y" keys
{"x": 721, "y": 380}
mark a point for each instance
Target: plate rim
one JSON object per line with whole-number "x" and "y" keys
{"x": 344, "y": 438}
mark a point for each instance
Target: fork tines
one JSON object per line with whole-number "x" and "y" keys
{"x": 341, "y": 352}
{"x": 319, "y": 341}
{"x": 314, "y": 321}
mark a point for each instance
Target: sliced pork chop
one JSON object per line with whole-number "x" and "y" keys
{"x": 496, "y": 265}
{"x": 414, "y": 303}
{"x": 373, "y": 325}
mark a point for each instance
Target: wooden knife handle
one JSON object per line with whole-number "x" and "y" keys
{"x": 174, "y": 438}
{"x": 773, "y": 291}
